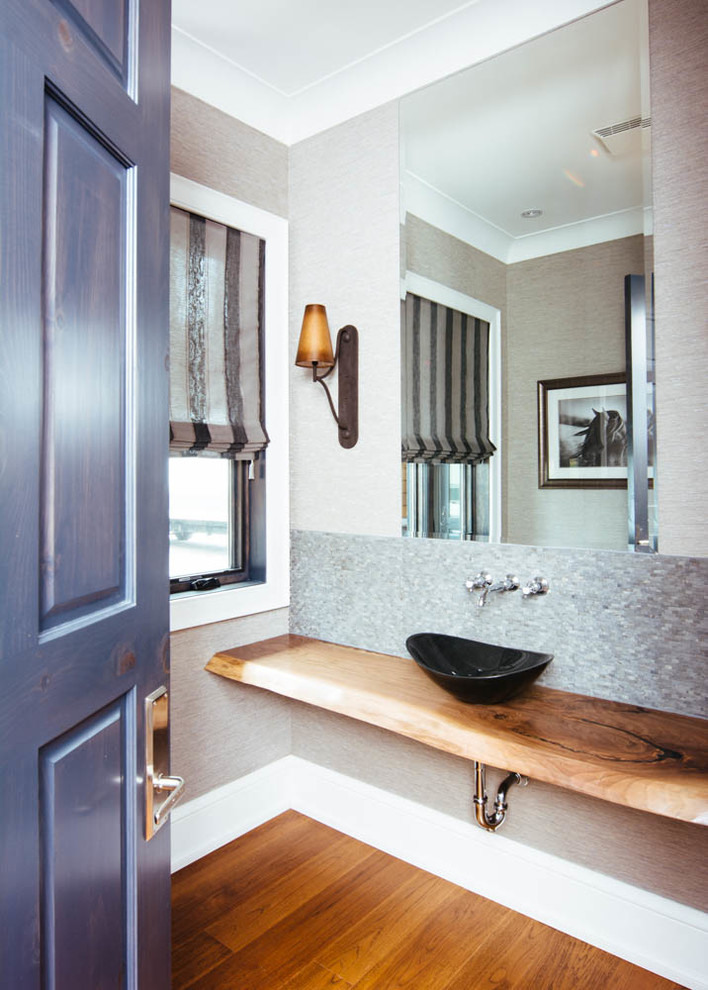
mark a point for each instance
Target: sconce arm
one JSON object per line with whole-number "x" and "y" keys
{"x": 345, "y": 334}
{"x": 323, "y": 383}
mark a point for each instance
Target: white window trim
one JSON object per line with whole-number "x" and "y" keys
{"x": 445, "y": 296}
{"x": 199, "y": 608}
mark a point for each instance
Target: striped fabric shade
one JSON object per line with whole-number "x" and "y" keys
{"x": 445, "y": 368}
{"x": 216, "y": 338}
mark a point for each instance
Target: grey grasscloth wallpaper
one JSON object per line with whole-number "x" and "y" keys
{"x": 678, "y": 41}
{"x": 208, "y": 146}
{"x": 219, "y": 735}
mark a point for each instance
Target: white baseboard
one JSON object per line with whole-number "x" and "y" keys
{"x": 654, "y": 932}
{"x": 209, "y": 822}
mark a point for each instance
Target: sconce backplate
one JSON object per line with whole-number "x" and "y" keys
{"x": 348, "y": 384}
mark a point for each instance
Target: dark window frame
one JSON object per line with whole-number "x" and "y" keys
{"x": 246, "y": 533}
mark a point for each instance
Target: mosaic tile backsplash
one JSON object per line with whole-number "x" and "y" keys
{"x": 630, "y": 627}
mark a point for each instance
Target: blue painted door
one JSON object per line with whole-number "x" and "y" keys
{"x": 84, "y": 898}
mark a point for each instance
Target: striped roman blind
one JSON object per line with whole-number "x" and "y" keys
{"x": 216, "y": 338}
{"x": 445, "y": 386}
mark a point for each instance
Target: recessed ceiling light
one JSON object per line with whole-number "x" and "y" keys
{"x": 531, "y": 214}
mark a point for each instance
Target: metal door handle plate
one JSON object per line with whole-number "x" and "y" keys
{"x": 158, "y": 779}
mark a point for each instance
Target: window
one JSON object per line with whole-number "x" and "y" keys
{"x": 229, "y": 539}
{"x": 451, "y": 414}
{"x": 217, "y": 407}
{"x": 215, "y": 517}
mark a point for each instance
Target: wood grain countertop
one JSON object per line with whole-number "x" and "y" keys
{"x": 650, "y": 760}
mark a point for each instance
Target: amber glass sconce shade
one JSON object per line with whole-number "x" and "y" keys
{"x": 314, "y": 351}
{"x": 315, "y": 345}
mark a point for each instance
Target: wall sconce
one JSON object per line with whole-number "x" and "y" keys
{"x": 314, "y": 351}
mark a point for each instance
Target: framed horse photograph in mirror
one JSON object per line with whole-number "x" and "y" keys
{"x": 583, "y": 432}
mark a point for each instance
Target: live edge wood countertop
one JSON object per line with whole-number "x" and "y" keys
{"x": 651, "y": 760}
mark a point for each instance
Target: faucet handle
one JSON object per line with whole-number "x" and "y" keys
{"x": 511, "y": 583}
{"x": 537, "y": 586}
{"x": 479, "y": 581}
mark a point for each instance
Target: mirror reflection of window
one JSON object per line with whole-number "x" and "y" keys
{"x": 446, "y": 501}
{"x": 446, "y": 437}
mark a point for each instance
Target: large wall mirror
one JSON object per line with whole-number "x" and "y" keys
{"x": 526, "y": 186}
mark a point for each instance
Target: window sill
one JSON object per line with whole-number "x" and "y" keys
{"x": 199, "y": 608}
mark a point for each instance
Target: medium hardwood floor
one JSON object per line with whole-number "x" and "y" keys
{"x": 294, "y": 905}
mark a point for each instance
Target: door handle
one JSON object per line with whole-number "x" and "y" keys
{"x": 158, "y": 779}
{"x": 175, "y": 785}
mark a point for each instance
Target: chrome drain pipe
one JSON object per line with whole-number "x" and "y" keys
{"x": 490, "y": 823}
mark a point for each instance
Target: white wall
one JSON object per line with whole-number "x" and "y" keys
{"x": 344, "y": 251}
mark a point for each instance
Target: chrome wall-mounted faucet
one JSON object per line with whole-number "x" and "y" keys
{"x": 483, "y": 583}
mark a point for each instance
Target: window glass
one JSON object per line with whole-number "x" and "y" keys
{"x": 446, "y": 501}
{"x": 200, "y": 495}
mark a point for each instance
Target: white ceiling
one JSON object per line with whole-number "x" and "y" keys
{"x": 293, "y": 45}
{"x": 480, "y": 146}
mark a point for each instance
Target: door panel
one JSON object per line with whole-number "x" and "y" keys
{"x": 84, "y": 899}
{"x": 106, "y": 26}
{"x": 83, "y": 545}
{"x": 87, "y": 848}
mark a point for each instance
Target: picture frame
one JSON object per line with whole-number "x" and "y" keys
{"x": 582, "y": 432}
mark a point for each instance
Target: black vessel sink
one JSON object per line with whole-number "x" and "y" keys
{"x": 476, "y": 672}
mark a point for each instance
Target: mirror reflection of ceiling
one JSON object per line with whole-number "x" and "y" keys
{"x": 514, "y": 134}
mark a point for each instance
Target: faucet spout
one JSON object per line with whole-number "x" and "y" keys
{"x": 510, "y": 583}
{"x": 497, "y": 586}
